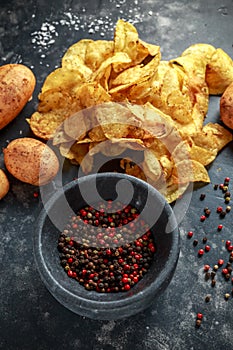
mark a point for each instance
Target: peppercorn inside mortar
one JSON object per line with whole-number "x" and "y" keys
{"x": 108, "y": 249}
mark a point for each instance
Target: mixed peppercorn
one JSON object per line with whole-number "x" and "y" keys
{"x": 108, "y": 249}
{"x": 225, "y": 267}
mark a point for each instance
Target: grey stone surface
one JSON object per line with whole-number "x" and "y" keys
{"x": 37, "y": 33}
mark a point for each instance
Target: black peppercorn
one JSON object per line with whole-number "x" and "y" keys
{"x": 213, "y": 282}
{"x": 222, "y": 214}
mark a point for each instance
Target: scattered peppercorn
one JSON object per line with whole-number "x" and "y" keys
{"x": 202, "y": 196}
{"x": 220, "y": 262}
{"x": 219, "y": 209}
{"x": 224, "y": 271}
{"x": 225, "y": 188}
{"x": 207, "y": 298}
{"x": 207, "y": 212}
{"x": 190, "y": 234}
{"x": 213, "y": 274}
{"x": 220, "y": 227}
{"x": 227, "y": 296}
{"x": 213, "y": 282}
{"x": 206, "y": 267}
{"x": 200, "y": 252}
{"x": 222, "y": 214}
{"x": 195, "y": 242}
{"x": 202, "y": 218}
{"x": 199, "y": 316}
{"x": 228, "y": 208}
{"x": 198, "y": 323}
{"x": 207, "y": 248}
{"x": 204, "y": 240}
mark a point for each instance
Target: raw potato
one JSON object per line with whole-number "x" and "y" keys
{"x": 4, "y": 184}
{"x": 17, "y": 83}
{"x": 226, "y": 106}
{"x": 31, "y": 161}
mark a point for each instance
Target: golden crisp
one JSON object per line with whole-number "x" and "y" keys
{"x": 116, "y": 96}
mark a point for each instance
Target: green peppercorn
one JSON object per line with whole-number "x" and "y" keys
{"x": 225, "y": 188}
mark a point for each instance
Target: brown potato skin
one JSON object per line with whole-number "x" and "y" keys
{"x": 31, "y": 161}
{"x": 4, "y": 184}
{"x": 226, "y": 106}
{"x": 17, "y": 83}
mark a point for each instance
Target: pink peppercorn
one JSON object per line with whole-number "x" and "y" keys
{"x": 220, "y": 262}
{"x": 190, "y": 234}
{"x": 200, "y": 252}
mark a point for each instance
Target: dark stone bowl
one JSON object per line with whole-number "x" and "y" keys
{"x": 86, "y": 190}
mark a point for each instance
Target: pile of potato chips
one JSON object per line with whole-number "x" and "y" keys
{"x": 111, "y": 96}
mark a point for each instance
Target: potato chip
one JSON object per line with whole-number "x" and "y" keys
{"x": 67, "y": 79}
{"x": 151, "y": 165}
{"x": 192, "y": 65}
{"x": 54, "y": 100}
{"x": 54, "y": 107}
{"x": 186, "y": 149}
{"x": 44, "y": 125}
{"x": 213, "y": 137}
{"x": 88, "y": 53}
{"x": 78, "y": 154}
{"x": 202, "y": 50}
{"x": 114, "y": 119}
{"x": 103, "y": 72}
{"x": 126, "y": 40}
{"x": 76, "y": 54}
{"x": 97, "y": 52}
{"x": 107, "y": 148}
{"x": 189, "y": 170}
{"x": 91, "y": 94}
{"x": 132, "y": 169}
{"x": 71, "y": 129}
{"x": 136, "y": 74}
{"x": 173, "y": 189}
{"x": 219, "y": 72}
{"x": 167, "y": 165}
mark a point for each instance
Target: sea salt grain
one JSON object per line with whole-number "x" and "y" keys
{"x": 45, "y": 37}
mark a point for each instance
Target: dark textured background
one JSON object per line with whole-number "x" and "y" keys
{"x": 30, "y": 318}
